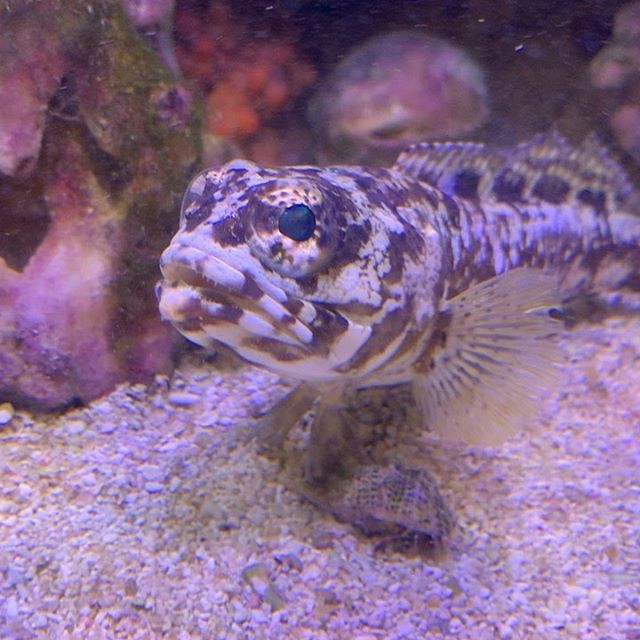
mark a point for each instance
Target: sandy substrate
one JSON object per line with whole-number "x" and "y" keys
{"x": 145, "y": 515}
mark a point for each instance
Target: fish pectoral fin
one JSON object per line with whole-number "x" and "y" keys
{"x": 492, "y": 358}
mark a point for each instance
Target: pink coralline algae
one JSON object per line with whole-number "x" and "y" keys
{"x": 395, "y": 89}
{"x": 56, "y": 313}
{"x": 97, "y": 140}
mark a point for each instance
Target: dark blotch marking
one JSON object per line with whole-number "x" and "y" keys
{"x": 262, "y": 208}
{"x": 308, "y": 285}
{"x": 366, "y": 183}
{"x": 595, "y": 199}
{"x": 197, "y": 317}
{"x": 227, "y": 313}
{"x": 395, "y": 253}
{"x": 437, "y": 342}
{"x": 279, "y": 350}
{"x": 305, "y": 171}
{"x": 412, "y": 242}
{"x": 413, "y": 193}
{"x": 250, "y": 289}
{"x": 191, "y": 324}
{"x": 381, "y": 335}
{"x": 326, "y": 326}
{"x": 324, "y": 238}
{"x": 373, "y": 188}
{"x": 228, "y": 232}
{"x": 551, "y": 189}
{"x": 508, "y": 186}
{"x": 195, "y": 217}
{"x": 293, "y": 305}
{"x": 356, "y": 235}
{"x": 465, "y": 183}
{"x": 204, "y": 203}
{"x": 632, "y": 282}
{"x": 453, "y": 210}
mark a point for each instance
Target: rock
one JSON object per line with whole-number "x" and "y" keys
{"x": 29, "y": 76}
{"x": 104, "y": 141}
{"x": 395, "y": 89}
{"x": 6, "y": 413}
{"x": 148, "y": 13}
{"x": 615, "y": 72}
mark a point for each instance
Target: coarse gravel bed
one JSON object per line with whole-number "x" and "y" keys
{"x": 148, "y": 514}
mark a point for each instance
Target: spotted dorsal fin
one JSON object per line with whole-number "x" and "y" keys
{"x": 544, "y": 169}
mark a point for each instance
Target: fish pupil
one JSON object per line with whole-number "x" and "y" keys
{"x": 297, "y": 222}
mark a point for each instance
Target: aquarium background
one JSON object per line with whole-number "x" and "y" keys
{"x": 133, "y": 502}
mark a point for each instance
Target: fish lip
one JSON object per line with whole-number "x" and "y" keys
{"x": 194, "y": 267}
{"x": 190, "y": 269}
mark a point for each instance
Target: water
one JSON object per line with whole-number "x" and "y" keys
{"x": 144, "y": 510}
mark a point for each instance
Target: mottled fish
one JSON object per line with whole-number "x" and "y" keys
{"x": 442, "y": 271}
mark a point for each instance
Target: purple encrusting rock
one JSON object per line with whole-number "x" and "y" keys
{"x": 396, "y": 89}
{"x": 29, "y": 77}
{"x": 96, "y": 144}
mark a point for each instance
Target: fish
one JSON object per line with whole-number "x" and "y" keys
{"x": 450, "y": 271}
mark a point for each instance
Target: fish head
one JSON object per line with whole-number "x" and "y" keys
{"x": 301, "y": 270}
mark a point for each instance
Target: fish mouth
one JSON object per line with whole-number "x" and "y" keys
{"x": 210, "y": 301}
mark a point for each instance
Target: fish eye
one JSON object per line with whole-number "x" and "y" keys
{"x": 297, "y": 222}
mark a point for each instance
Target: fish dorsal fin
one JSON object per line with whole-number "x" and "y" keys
{"x": 545, "y": 169}
{"x": 493, "y": 358}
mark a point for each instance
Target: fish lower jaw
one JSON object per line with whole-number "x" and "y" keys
{"x": 208, "y": 315}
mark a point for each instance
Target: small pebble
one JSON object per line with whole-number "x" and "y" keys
{"x": 6, "y": 412}
{"x": 11, "y": 608}
{"x": 257, "y": 577}
{"x": 322, "y": 539}
{"x": 183, "y": 398}
{"x": 290, "y": 560}
{"x": 240, "y": 614}
{"x": 154, "y": 487}
{"x": 107, "y": 427}
{"x": 327, "y": 596}
{"x": 75, "y": 427}
{"x": 24, "y": 490}
{"x": 39, "y": 621}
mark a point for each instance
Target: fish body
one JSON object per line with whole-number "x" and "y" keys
{"x": 447, "y": 271}
{"x": 442, "y": 271}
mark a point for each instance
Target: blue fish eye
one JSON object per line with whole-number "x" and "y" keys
{"x": 297, "y": 222}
